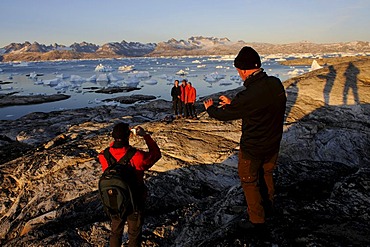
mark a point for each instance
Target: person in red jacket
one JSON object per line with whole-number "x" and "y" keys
{"x": 190, "y": 96}
{"x": 141, "y": 161}
{"x": 183, "y": 109}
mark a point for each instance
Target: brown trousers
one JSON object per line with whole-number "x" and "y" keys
{"x": 256, "y": 178}
{"x": 135, "y": 223}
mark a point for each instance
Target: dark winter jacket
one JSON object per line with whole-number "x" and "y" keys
{"x": 261, "y": 106}
{"x": 175, "y": 93}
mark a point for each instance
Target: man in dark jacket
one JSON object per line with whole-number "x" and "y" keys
{"x": 141, "y": 161}
{"x": 261, "y": 106}
{"x": 176, "y": 101}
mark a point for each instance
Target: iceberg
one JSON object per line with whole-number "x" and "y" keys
{"x": 126, "y": 68}
{"x": 102, "y": 68}
{"x": 139, "y": 74}
{"x": 181, "y": 72}
{"x": 214, "y": 77}
{"x": 111, "y": 77}
{"x": 151, "y": 82}
{"x": 315, "y": 65}
{"x": 52, "y": 82}
{"x": 102, "y": 77}
{"x": 77, "y": 78}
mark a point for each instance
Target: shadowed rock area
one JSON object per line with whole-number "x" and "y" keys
{"x": 49, "y": 178}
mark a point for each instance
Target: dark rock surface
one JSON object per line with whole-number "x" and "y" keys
{"x": 9, "y": 100}
{"x": 132, "y": 98}
{"x": 49, "y": 197}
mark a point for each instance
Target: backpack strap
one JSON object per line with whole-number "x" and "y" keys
{"x": 127, "y": 157}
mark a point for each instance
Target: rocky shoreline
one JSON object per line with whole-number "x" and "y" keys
{"x": 49, "y": 171}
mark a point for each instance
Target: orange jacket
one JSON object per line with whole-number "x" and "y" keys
{"x": 190, "y": 94}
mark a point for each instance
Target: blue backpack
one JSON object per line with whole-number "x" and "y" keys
{"x": 118, "y": 185}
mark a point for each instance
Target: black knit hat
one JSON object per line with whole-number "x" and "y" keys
{"x": 247, "y": 59}
{"x": 121, "y": 131}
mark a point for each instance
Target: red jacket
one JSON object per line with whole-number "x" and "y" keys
{"x": 141, "y": 160}
{"x": 190, "y": 94}
{"x": 183, "y": 93}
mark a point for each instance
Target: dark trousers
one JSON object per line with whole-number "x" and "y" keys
{"x": 135, "y": 223}
{"x": 176, "y": 106}
{"x": 183, "y": 110}
{"x": 256, "y": 176}
{"x": 191, "y": 110}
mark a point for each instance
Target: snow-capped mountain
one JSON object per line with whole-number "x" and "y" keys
{"x": 197, "y": 45}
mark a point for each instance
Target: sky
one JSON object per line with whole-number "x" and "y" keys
{"x": 152, "y": 21}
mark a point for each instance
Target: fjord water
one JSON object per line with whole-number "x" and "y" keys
{"x": 162, "y": 73}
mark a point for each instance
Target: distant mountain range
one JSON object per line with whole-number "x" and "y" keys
{"x": 194, "y": 46}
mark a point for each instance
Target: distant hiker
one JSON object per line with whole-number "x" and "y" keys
{"x": 176, "y": 101}
{"x": 139, "y": 162}
{"x": 261, "y": 106}
{"x": 190, "y": 96}
{"x": 183, "y": 109}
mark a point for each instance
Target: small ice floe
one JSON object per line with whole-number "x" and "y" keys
{"x": 315, "y": 65}
{"x": 182, "y": 72}
{"x": 214, "y": 77}
{"x": 201, "y": 66}
{"x": 296, "y": 72}
{"x": 62, "y": 76}
{"x": 219, "y": 67}
{"x": 1, "y": 70}
{"x": 33, "y": 75}
{"x": 195, "y": 61}
{"x": 7, "y": 88}
{"x": 103, "y": 77}
{"x": 151, "y": 82}
{"x": 112, "y": 103}
{"x": 126, "y": 68}
{"x": 91, "y": 78}
{"x": 21, "y": 64}
{"x": 77, "y": 78}
{"x": 52, "y": 82}
{"x": 139, "y": 74}
{"x": 38, "y": 82}
{"x": 111, "y": 77}
{"x": 62, "y": 85}
{"x": 103, "y": 68}
{"x": 224, "y": 82}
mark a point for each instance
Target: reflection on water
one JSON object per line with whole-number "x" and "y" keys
{"x": 154, "y": 76}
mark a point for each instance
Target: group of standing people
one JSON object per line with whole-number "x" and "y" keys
{"x": 183, "y": 99}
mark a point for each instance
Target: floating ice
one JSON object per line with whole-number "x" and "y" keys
{"x": 196, "y": 61}
{"x": 111, "y": 77}
{"x": 102, "y": 77}
{"x": 151, "y": 82}
{"x": 139, "y": 74}
{"x": 91, "y": 78}
{"x": 126, "y": 68}
{"x": 1, "y": 70}
{"x": 77, "y": 78}
{"x": 214, "y": 77}
{"x": 33, "y": 75}
{"x": 21, "y": 64}
{"x": 102, "y": 68}
{"x": 52, "y": 82}
{"x": 315, "y": 65}
{"x": 61, "y": 76}
{"x": 296, "y": 72}
{"x": 181, "y": 72}
{"x": 201, "y": 66}
{"x": 62, "y": 85}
